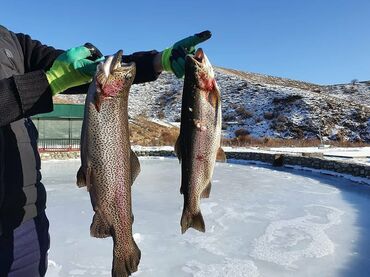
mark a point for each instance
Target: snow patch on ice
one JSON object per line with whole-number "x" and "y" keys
{"x": 206, "y": 207}
{"x": 54, "y": 269}
{"x": 209, "y": 243}
{"x": 288, "y": 241}
{"x": 138, "y": 237}
{"x": 230, "y": 268}
{"x": 77, "y": 272}
{"x": 232, "y": 214}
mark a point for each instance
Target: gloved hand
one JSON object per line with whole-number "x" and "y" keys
{"x": 173, "y": 58}
{"x": 72, "y": 68}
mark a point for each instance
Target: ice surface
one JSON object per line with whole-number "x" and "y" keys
{"x": 260, "y": 221}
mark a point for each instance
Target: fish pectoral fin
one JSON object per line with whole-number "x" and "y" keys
{"x": 178, "y": 148}
{"x": 135, "y": 166}
{"x": 81, "y": 178}
{"x": 206, "y": 191}
{"x": 214, "y": 98}
{"x": 99, "y": 228}
{"x": 221, "y": 156}
{"x": 192, "y": 220}
{"x": 98, "y": 101}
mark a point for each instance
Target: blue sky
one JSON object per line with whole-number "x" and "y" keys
{"x": 319, "y": 41}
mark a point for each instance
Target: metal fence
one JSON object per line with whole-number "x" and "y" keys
{"x": 58, "y": 145}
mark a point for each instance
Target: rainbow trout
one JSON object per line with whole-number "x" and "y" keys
{"x": 108, "y": 165}
{"x": 199, "y": 139}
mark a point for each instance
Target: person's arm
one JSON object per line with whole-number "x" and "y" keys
{"x": 150, "y": 64}
{"x": 24, "y": 96}
{"x": 47, "y": 72}
{"x": 39, "y": 56}
{"x": 28, "y": 94}
{"x": 147, "y": 69}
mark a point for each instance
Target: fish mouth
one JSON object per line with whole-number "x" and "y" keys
{"x": 112, "y": 78}
{"x": 198, "y": 58}
{"x": 200, "y": 61}
{"x": 112, "y": 63}
{"x": 117, "y": 60}
{"x": 108, "y": 76}
{"x": 199, "y": 67}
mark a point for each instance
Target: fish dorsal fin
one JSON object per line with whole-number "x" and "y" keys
{"x": 135, "y": 166}
{"x": 221, "y": 156}
{"x": 178, "y": 148}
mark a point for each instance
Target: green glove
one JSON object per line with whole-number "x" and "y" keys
{"x": 70, "y": 69}
{"x": 173, "y": 58}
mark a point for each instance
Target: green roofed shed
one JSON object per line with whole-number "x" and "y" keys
{"x": 64, "y": 111}
{"x": 60, "y": 130}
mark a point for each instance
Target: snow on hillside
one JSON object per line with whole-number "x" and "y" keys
{"x": 357, "y": 92}
{"x": 265, "y": 106}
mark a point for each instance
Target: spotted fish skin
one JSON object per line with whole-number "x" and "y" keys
{"x": 108, "y": 165}
{"x": 200, "y": 135}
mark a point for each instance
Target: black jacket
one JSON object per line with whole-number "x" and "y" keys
{"x": 24, "y": 91}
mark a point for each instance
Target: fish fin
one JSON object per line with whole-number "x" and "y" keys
{"x": 178, "y": 148}
{"x": 97, "y": 102}
{"x": 192, "y": 220}
{"x": 81, "y": 178}
{"x": 128, "y": 263}
{"x": 221, "y": 156}
{"x": 135, "y": 166}
{"x": 214, "y": 98}
{"x": 99, "y": 228}
{"x": 206, "y": 191}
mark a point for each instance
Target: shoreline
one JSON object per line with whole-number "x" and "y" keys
{"x": 317, "y": 161}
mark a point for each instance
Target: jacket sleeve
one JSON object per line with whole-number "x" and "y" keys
{"x": 144, "y": 66}
{"x": 28, "y": 94}
{"x": 41, "y": 57}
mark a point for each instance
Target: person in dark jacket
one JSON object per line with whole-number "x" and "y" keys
{"x": 31, "y": 73}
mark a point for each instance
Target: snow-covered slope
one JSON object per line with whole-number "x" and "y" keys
{"x": 265, "y": 106}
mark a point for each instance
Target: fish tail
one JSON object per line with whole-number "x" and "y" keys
{"x": 124, "y": 266}
{"x": 192, "y": 220}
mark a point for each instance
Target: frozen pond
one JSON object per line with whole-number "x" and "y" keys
{"x": 260, "y": 221}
